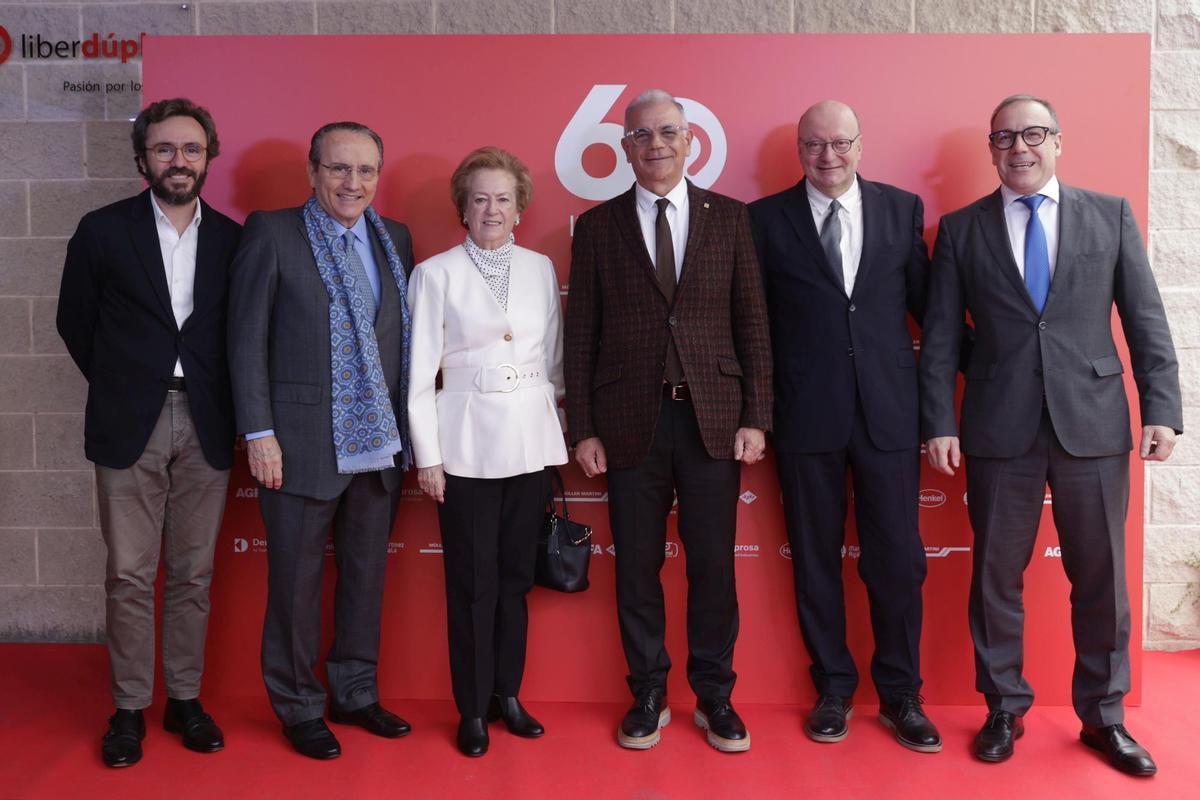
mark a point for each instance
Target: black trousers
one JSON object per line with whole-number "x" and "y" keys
{"x": 639, "y": 501}
{"x": 489, "y": 540}
{"x": 297, "y": 531}
{"x": 1090, "y": 500}
{"x": 892, "y": 562}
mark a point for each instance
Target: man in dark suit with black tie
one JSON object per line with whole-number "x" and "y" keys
{"x": 142, "y": 312}
{"x": 668, "y": 373}
{"x": 844, "y": 264}
{"x": 318, "y": 349}
{"x": 1039, "y": 265}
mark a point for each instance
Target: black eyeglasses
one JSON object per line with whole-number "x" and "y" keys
{"x": 1032, "y": 136}
{"x": 165, "y": 152}
{"x": 814, "y": 147}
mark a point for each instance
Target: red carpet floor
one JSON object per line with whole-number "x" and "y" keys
{"x": 54, "y": 702}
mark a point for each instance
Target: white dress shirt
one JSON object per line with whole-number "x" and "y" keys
{"x": 851, "y": 218}
{"x": 1016, "y": 218}
{"x": 179, "y": 262}
{"x": 677, "y": 217}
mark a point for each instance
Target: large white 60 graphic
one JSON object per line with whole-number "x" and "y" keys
{"x": 586, "y": 129}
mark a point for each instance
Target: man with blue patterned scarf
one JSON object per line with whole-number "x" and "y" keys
{"x": 319, "y": 351}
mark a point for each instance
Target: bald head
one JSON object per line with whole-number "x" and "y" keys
{"x": 825, "y": 128}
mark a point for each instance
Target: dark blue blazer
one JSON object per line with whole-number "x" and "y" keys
{"x": 114, "y": 314}
{"x": 832, "y": 351}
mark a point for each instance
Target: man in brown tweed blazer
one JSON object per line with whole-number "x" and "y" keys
{"x": 668, "y": 371}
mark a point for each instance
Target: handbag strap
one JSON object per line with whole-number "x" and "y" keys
{"x": 557, "y": 489}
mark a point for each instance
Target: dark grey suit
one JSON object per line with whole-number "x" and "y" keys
{"x": 280, "y": 364}
{"x": 1045, "y": 402}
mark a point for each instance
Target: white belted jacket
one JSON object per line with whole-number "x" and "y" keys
{"x": 496, "y": 414}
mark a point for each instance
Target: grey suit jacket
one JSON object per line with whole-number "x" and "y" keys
{"x": 1067, "y": 352}
{"x": 279, "y": 347}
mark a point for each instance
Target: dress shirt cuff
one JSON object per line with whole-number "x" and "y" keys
{"x": 260, "y": 434}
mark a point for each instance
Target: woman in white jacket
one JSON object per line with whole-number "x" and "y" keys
{"x": 486, "y": 315}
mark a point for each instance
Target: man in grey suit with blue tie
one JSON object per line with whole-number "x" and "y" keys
{"x": 318, "y": 351}
{"x": 1039, "y": 265}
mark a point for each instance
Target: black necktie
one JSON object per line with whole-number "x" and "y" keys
{"x": 831, "y": 240}
{"x": 664, "y": 264}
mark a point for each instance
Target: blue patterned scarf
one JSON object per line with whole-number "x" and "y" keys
{"x": 366, "y": 433}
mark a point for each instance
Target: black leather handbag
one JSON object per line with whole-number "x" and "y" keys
{"x": 564, "y": 547}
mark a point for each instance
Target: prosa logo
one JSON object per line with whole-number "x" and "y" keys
{"x": 5, "y": 44}
{"x": 589, "y": 160}
{"x": 932, "y": 498}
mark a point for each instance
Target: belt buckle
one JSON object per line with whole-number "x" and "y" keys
{"x": 516, "y": 378}
{"x": 678, "y": 390}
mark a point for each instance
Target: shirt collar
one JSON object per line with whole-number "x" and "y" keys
{"x": 1051, "y": 190}
{"x": 359, "y": 228}
{"x": 646, "y": 198}
{"x": 161, "y": 217}
{"x": 849, "y": 199}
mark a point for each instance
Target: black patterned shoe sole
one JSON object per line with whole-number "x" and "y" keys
{"x": 720, "y": 742}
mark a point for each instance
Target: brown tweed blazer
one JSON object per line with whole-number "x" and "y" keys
{"x": 618, "y": 323}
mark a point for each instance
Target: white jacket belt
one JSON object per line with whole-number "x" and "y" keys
{"x": 459, "y": 328}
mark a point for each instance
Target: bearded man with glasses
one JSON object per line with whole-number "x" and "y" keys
{"x": 318, "y": 348}
{"x": 1039, "y": 266}
{"x": 142, "y": 312}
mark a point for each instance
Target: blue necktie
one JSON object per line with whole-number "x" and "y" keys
{"x": 1037, "y": 254}
{"x": 362, "y": 284}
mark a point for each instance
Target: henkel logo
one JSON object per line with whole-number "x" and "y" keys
{"x": 932, "y": 498}
{"x": 589, "y": 160}
{"x": 785, "y": 550}
{"x": 943, "y": 552}
{"x": 5, "y": 44}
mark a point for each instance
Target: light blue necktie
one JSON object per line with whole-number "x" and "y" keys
{"x": 362, "y": 284}
{"x": 1037, "y": 254}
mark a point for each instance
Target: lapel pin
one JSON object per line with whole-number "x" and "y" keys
{"x": 706, "y": 205}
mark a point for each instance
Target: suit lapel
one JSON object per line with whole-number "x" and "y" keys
{"x": 698, "y": 214}
{"x": 800, "y": 215}
{"x": 631, "y": 230}
{"x": 875, "y": 232}
{"x": 144, "y": 233}
{"x": 208, "y": 284}
{"x": 1070, "y": 235}
{"x": 995, "y": 233}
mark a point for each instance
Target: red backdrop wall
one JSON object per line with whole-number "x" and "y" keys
{"x": 556, "y": 101}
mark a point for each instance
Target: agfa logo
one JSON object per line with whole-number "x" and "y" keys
{"x": 5, "y": 44}
{"x": 932, "y": 498}
{"x": 587, "y": 130}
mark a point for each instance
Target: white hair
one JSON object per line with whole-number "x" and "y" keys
{"x": 653, "y": 97}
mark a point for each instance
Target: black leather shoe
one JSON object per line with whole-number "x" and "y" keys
{"x": 313, "y": 738}
{"x": 1122, "y": 750}
{"x": 913, "y": 729}
{"x": 726, "y": 732}
{"x": 199, "y": 731}
{"x": 122, "y": 744}
{"x": 472, "y": 736}
{"x": 994, "y": 742}
{"x": 827, "y": 721}
{"x": 375, "y": 718}
{"x": 518, "y": 721}
{"x": 642, "y": 726}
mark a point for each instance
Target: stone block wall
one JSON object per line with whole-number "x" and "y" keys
{"x": 62, "y": 154}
